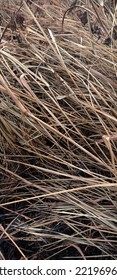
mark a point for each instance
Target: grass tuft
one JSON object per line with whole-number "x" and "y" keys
{"x": 58, "y": 130}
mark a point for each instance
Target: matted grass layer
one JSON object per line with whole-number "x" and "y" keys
{"x": 58, "y": 130}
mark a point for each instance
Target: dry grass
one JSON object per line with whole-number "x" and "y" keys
{"x": 58, "y": 131}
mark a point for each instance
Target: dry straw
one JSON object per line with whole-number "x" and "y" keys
{"x": 58, "y": 130}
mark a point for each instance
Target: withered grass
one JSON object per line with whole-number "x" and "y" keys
{"x": 58, "y": 131}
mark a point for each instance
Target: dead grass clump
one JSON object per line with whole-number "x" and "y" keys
{"x": 58, "y": 130}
